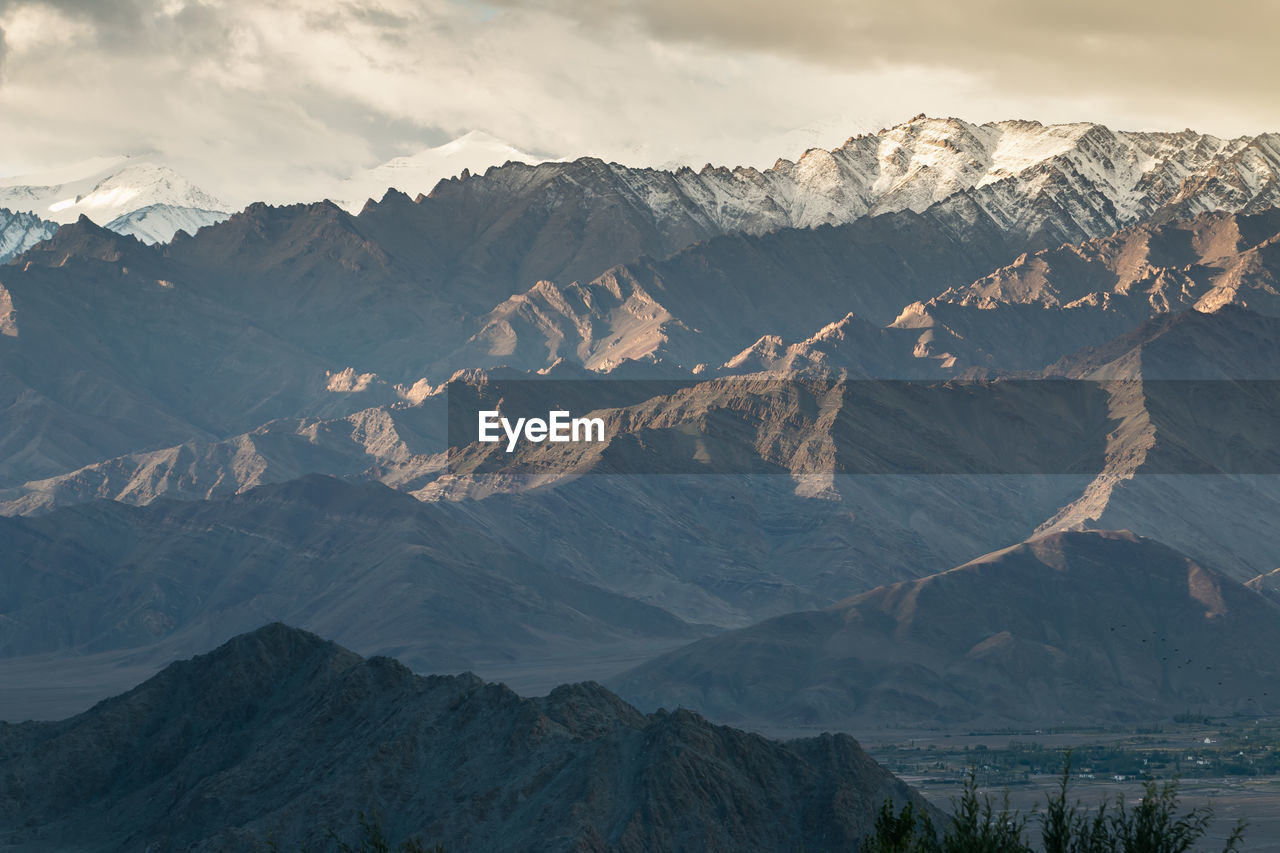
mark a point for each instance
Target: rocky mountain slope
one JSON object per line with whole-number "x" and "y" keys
{"x": 280, "y": 735}
{"x": 636, "y": 559}
{"x": 1192, "y": 460}
{"x": 1050, "y": 303}
{"x": 1070, "y": 182}
{"x": 1058, "y": 455}
{"x": 787, "y": 424}
{"x": 1099, "y": 626}
{"x": 1035, "y": 186}
{"x": 831, "y": 486}
{"x": 707, "y": 303}
{"x": 1267, "y": 584}
{"x": 105, "y": 354}
{"x": 229, "y": 318}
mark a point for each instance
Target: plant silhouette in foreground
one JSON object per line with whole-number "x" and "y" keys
{"x": 977, "y": 825}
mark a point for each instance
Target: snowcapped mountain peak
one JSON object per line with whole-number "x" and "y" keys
{"x": 133, "y": 187}
{"x": 476, "y": 140}
{"x": 420, "y": 172}
{"x": 105, "y": 189}
{"x": 1064, "y": 182}
{"x": 1019, "y": 145}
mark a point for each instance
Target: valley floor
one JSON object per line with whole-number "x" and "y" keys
{"x": 1255, "y": 800}
{"x": 1230, "y": 764}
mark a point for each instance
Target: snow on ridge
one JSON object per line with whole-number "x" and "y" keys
{"x": 1016, "y": 149}
{"x": 1110, "y": 178}
{"x": 1005, "y": 166}
{"x": 20, "y": 231}
{"x": 104, "y": 189}
{"x": 159, "y": 223}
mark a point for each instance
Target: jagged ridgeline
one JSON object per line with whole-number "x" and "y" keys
{"x": 280, "y": 736}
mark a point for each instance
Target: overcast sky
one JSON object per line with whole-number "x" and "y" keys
{"x": 261, "y": 99}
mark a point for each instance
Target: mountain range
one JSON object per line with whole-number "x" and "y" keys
{"x": 1125, "y": 177}
{"x": 150, "y": 201}
{"x": 810, "y": 376}
{"x": 660, "y": 544}
{"x": 237, "y": 285}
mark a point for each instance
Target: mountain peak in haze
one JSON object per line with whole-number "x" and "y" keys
{"x": 418, "y": 173}
{"x": 137, "y": 197}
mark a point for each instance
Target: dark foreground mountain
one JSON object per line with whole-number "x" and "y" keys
{"x": 281, "y": 735}
{"x": 1085, "y": 626}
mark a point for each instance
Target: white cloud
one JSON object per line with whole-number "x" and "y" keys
{"x": 276, "y": 101}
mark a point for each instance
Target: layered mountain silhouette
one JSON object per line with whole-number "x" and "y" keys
{"x": 1129, "y": 280}
{"x": 1083, "y": 626}
{"x": 1148, "y": 435}
{"x": 371, "y": 567}
{"x": 280, "y": 736}
{"x": 600, "y": 266}
{"x": 581, "y": 579}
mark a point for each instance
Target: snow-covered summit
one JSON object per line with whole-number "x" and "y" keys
{"x": 106, "y": 189}
{"x": 158, "y": 223}
{"x": 419, "y": 173}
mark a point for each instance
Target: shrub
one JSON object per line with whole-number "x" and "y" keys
{"x": 1154, "y": 825}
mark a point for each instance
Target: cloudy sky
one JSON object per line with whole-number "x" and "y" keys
{"x": 271, "y": 99}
